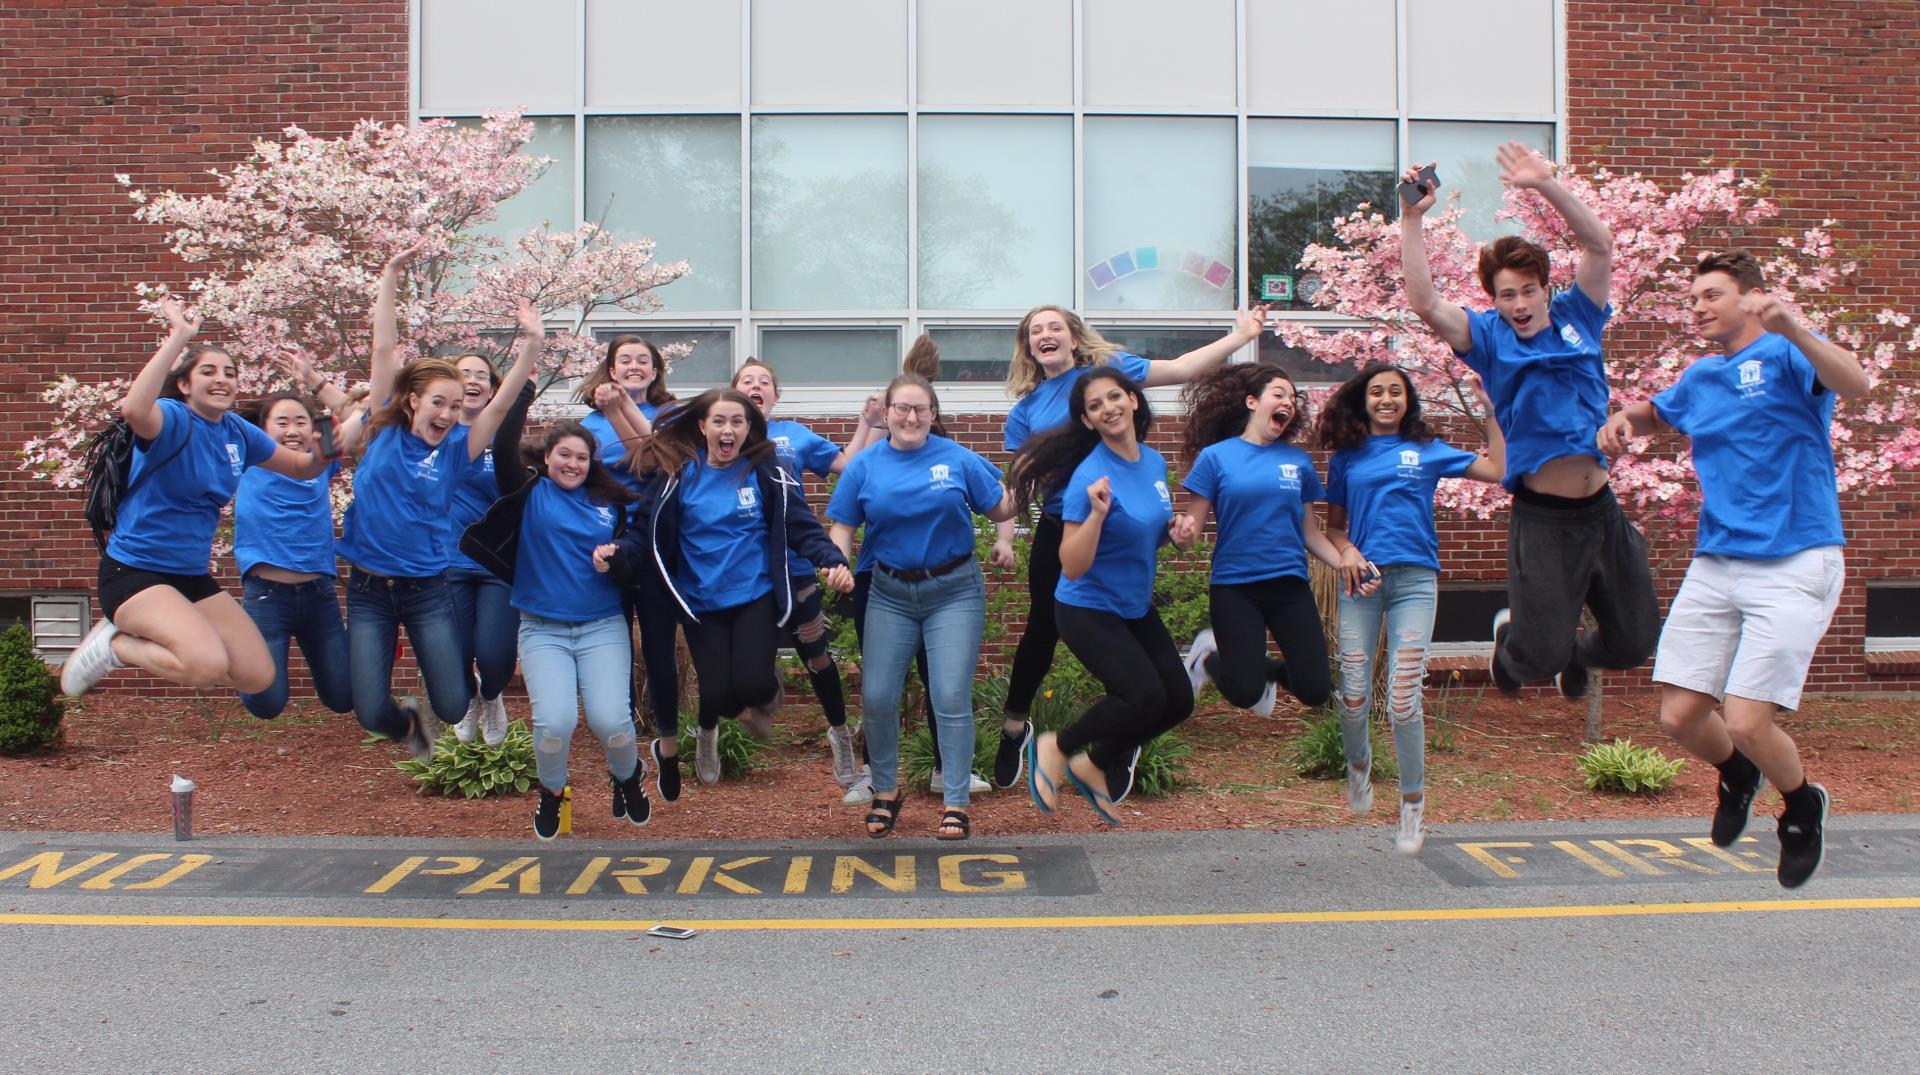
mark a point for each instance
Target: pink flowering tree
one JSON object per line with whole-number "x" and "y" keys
{"x": 288, "y": 249}
{"x": 1657, "y": 235}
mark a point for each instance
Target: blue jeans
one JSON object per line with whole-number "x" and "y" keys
{"x": 948, "y": 614}
{"x": 377, "y": 607}
{"x": 307, "y": 612}
{"x": 489, "y": 627}
{"x": 1405, "y": 601}
{"x": 571, "y": 666}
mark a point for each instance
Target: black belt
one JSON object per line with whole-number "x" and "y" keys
{"x": 922, "y": 574}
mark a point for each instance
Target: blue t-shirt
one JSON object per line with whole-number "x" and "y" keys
{"x": 1386, "y": 485}
{"x": 473, "y": 494}
{"x": 402, "y": 498}
{"x": 166, "y": 524}
{"x": 801, "y": 451}
{"x": 613, "y": 451}
{"x": 553, "y": 575}
{"x": 917, "y": 506}
{"x": 1120, "y": 580}
{"x": 284, "y": 522}
{"x": 1260, "y": 497}
{"x": 1761, "y": 424}
{"x": 723, "y": 536}
{"x": 1047, "y": 406}
{"x": 1549, "y": 392}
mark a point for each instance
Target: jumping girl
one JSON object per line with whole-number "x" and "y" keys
{"x": 628, "y": 390}
{"x": 916, "y": 496}
{"x": 723, "y": 522}
{"x": 1052, "y": 350}
{"x": 160, "y": 608}
{"x": 547, "y": 538}
{"x": 1381, "y": 476}
{"x": 1116, "y": 513}
{"x": 483, "y": 610}
{"x": 413, "y": 450}
{"x": 1239, "y": 420}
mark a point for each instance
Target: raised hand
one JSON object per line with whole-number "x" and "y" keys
{"x": 608, "y": 396}
{"x": 1775, "y": 316}
{"x": 400, "y": 260}
{"x": 873, "y": 413}
{"x": 1520, "y": 166}
{"x": 1419, "y": 208}
{"x": 181, "y": 323}
{"x": 1250, "y": 323}
{"x": 529, "y": 319}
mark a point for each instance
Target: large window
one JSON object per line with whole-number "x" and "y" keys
{"x": 996, "y": 211}
{"x": 1160, "y": 231}
{"x": 675, "y": 180}
{"x": 829, "y": 212}
{"x": 1301, "y": 174}
{"x": 549, "y": 199}
{"x": 859, "y": 356}
{"x": 1464, "y": 154}
{"x": 974, "y": 353}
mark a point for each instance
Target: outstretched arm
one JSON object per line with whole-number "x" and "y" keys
{"x": 141, "y": 405}
{"x": 871, "y": 426}
{"x": 1639, "y": 420}
{"x": 386, "y": 326}
{"x": 1247, "y": 326}
{"x": 534, "y": 333}
{"x": 1448, "y": 321}
{"x": 1522, "y": 167}
{"x": 1836, "y": 366}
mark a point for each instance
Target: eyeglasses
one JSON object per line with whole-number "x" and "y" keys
{"x": 911, "y": 410}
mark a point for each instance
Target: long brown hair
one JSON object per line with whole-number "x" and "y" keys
{"x": 1046, "y": 462}
{"x": 1216, "y": 403}
{"x": 1343, "y": 421}
{"x": 600, "y": 483}
{"x": 657, "y": 393}
{"x": 678, "y": 440}
{"x": 413, "y": 377}
{"x": 1089, "y": 349}
{"x": 183, "y": 369}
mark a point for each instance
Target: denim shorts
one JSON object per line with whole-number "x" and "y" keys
{"x": 1749, "y": 627}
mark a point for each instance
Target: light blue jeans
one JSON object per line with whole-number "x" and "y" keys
{"x": 949, "y": 614}
{"x": 573, "y": 666}
{"x": 1405, "y": 601}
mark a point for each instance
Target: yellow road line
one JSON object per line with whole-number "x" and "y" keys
{"x": 1273, "y": 918}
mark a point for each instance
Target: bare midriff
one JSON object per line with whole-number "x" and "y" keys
{"x": 294, "y": 578}
{"x": 1571, "y": 476}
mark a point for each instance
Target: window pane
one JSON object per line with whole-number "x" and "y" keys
{"x": 1300, "y": 363}
{"x": 549, "y": 199}
{"x": 709, "y": 363}
{"x": 858, "y": 356}
{"x": 675, "y": 180}
{"x": 1158, "y": 343}
{"x": 829, "y": 212}
{"x": 1160, "y": 228}
{"x": 996, "y": 211}
{"x": 1301, "y": 173}
{"x": 979, "y": 354}
{"x": 1464, "y": 152}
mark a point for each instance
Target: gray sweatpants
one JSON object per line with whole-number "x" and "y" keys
{"x": 1561, "y": 556}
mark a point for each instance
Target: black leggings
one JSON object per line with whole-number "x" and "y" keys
{"x": 808, "y": 635}
{"x": 1147, "y": 689}
{"x": 863, "y": 589}
{"x": 1242, "y": 615}
{"x": 648, "y": 603}
{"x": 733, "y": 654}
{"x": 1034, "y": 657}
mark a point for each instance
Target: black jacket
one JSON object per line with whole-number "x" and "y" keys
{"x": 493, "y": 541}
{"x": 790, "y": 525}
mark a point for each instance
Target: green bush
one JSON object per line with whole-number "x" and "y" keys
{"x": 1320, "y": 753}
{"x": 1621, "y": 766}
{"x": 916, "y": 750}
{"x": 30, "y": 701}
{"x": 475, "y": 769}
{"x": 739, "y": 750}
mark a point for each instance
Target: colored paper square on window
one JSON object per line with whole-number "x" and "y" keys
{"x": 1122, "y": 264}
{"x": 1219, "y": 274}
{"x": 1194, "y": 262}
{"x": 1146, "y": 257}
{"x": 1100, "y": 275}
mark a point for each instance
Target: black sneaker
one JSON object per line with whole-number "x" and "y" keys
{"x": 1507, "y": 684}
{"x": 1011, "y": 759}
{"x": 629, "y": 798}
{"x": 1736, "y": 806}
{"x": 546, "y": 819}
{"x": 1120, "y": 776}
{"x": 666, "y": 773}
{"x": 1803, "y": 843}
{"x": 1573, "y": 679}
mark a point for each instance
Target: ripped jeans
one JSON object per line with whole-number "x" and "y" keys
{"x": 573, "y": 666}
{"x": 1405, "y": 600}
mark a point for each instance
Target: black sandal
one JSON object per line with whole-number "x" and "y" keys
{"x": 954, "y": 819}
{"x": 885, "y": 812}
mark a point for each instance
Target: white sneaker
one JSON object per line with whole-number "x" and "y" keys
{"x": 469, "y": 725}
{"x": 1264, "y": 707}
{"x": 493, "y": 720}
{"x": 1198, "y": 651}
{"x": 90, "y": 661}
{"x": 846, "y": 761}
{"x": 975, "y": 785}
{"x": 706, "y": 755}
{"x": 1360, "y": 790}
{"x": 861, "y": 793}
{"x": 1413, "y": 832}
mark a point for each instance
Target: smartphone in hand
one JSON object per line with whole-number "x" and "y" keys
{"x": 1428, "y": 180}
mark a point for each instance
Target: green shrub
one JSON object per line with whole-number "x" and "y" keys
{"x": 916, "y": 750}
{"x": 739, "y": 750}
{"x": 1621, "y": 766}
{"x": 1162, "y": 766}
{"x": 30, "y": 701}
{"x": 1320, "y": 753}
{"x": 475, "y": 769}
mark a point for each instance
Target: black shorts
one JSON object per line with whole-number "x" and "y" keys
{"x": 119, "y": 581}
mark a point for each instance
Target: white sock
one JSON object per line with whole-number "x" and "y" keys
{"x": 113, "y": 659}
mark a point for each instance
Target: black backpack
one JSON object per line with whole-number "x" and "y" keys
{"x": 109, "y": 462}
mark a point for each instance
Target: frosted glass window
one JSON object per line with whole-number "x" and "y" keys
{"x": 976, "y": 354}
{"x": 996, "y": 211}
{"x": 1161, "y": 202}
{"x": 1151, "y": 54}
{"x": 1153, "y": 342}
{"x": 829, "y": 212}
{"x": 493, "y": 55}
{"x": 1480, "y": 57}
{"x": 1285, "y": 73}
{"x": 1301, "y": 173}
{"x": 832, "y": 355}
{"x": 549, "y": 199}
{"x": 710, "y": 362}
{"x": 1300, "y": 362}
{"x": 656, "y": 54}
{"x": 996, "y": 52}
{"x": 1464, "y": 155}
{"x": 675, "y": 180}
{"x": 830, "y": 52}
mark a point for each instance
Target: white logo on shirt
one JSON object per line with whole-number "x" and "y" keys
{"x": 1289, "y": 472}
{"x": 605, "y": 513}
{"x": 749, "y": 497}
{"x": 1752, "y": 374}
{"x": 940, "y": 476}
{"x": 1161, "y": 488}
{"x": 486, "y": 460}
{"x": 233, "y": 458}
{"x": 426, "y": 469}
{"x": 1410, "y": 458}
{"x": 1572, "y": 336}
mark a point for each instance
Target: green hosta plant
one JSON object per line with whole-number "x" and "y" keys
{"x": 473, "y": 770}
{"x": 1622, "y": 766}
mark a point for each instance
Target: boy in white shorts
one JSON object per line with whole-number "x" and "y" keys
{"x": 1767, "y": 568}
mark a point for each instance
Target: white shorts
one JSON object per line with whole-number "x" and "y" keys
{"x": 1749, "y": 627}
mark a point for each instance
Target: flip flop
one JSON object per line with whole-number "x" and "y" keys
{"x": 1034, "y": 776}
{"x": 1093, "y": 797}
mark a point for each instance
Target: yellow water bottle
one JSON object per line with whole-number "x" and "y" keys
{"x": 566, "y": 811}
